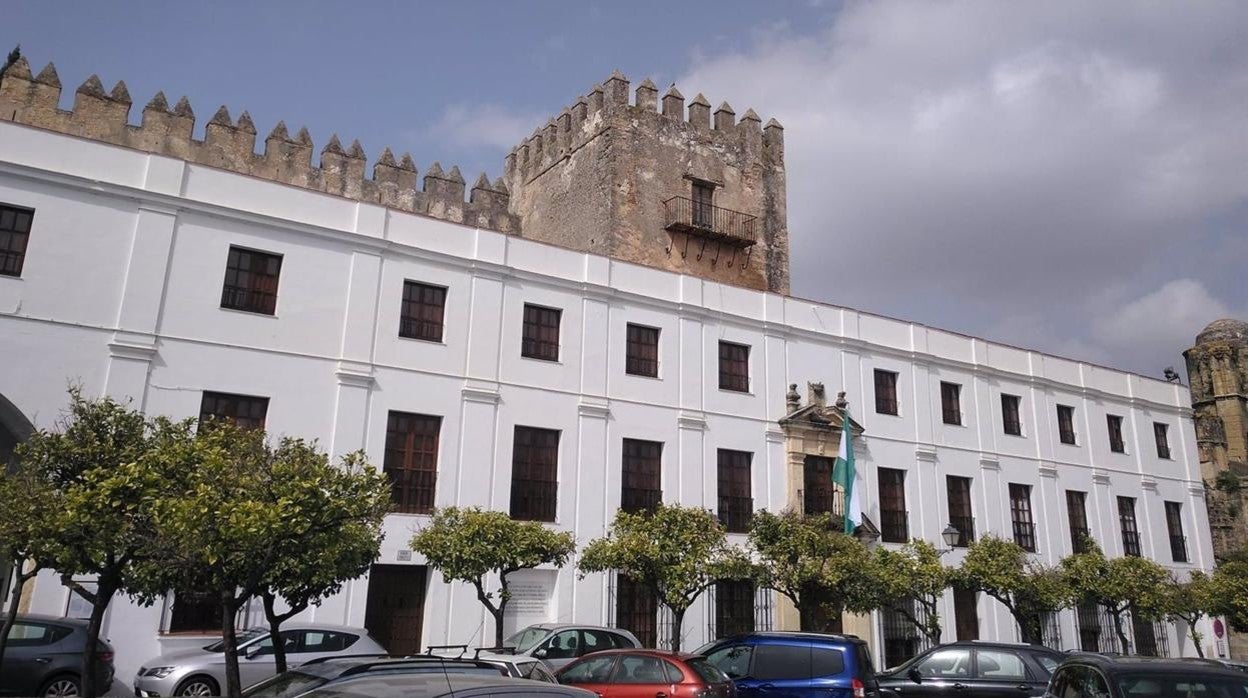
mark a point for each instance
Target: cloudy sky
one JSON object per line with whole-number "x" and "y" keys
{"x": 1071, "y": 177}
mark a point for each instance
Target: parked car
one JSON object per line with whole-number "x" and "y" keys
{"x": 447, "y": 685}
{"x": 973, "y": 670}
{"x": 520, "y": 666}
{"x": 793, "y": 664}
{"x": 332, "y": 670}
{"x": 201, "y": 672}
{"x": 44, "y": 657}
{"x": 1226, "y": 663}
{"x": 645, "y": 673}
{"x": 559, "y": 644}
{"x": 1102, "y": 676}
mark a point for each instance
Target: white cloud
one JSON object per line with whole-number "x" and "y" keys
{"x": 485, "y": 126}
{"x": 965, "y": 164}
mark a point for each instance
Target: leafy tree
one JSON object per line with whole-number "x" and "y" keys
{"x": 96, "y": 466}
{"x": 1229, "y": 593}
{"x": 1189, "y": 602}
{"x": 28, "y": 506}
{"x": 1028, "y": 590}
{"x": 912, "y": 573}
{"x": 1119, "y": 585}
{"x": 812, "y": 563}
{"x": 251, "y": 519}
{"x": 677, "y": 552}
{"x": 334, "y": 536}
{"x": 472, "y": 544}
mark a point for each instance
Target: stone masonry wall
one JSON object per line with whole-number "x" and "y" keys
{"x": 596, "y": 176}
{"x": 230, "y": 145}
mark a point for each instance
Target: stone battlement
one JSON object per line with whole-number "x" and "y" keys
{"x": 230, "y": 145}
{"x": 583, "y": 120}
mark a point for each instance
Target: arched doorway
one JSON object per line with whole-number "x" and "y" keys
{"x": 14, "y": 428}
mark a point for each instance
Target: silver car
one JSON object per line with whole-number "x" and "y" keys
{"x": 559, "y": 644}
{"x": 201, "y": 672}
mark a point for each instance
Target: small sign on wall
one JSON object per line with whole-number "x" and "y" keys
{"x": 405, "y": 556}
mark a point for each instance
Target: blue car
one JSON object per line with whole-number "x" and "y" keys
{"x": 795, "y": 665}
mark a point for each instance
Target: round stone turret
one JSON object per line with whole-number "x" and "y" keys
{"x": 1224, "y": 330}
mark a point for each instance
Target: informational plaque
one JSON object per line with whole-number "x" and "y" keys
{"x": 531, "y": 592}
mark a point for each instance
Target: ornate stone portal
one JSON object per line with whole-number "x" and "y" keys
{"x": 812, "y": 439}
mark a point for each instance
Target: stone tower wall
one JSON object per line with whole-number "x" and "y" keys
{"x": 230, "y": 145}
{"x": 595, "y": 178}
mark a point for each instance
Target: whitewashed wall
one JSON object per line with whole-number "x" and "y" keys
{"x": 121, "y": 289}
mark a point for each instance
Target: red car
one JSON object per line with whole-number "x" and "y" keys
{"x": 647, "y": 674}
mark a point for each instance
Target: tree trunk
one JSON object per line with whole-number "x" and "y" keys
{"x": 504, "y": 595}
{"x": 1196, "y": 637}
{"x": 103, "y": 596}
{"x": 275, "y": 632}
{"x": 19, "y": 581}
{"x": 678, "y": 618}
{"x": 233, "y": 682}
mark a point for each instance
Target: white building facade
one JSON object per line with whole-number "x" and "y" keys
{"x": 120, "y": 290}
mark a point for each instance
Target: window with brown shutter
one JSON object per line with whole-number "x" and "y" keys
{"x": 534, "y": 474}
{"x": 421, "y": 316}
{"x": 246, "y": 411}
{"x": 818, "y": 490}
{"x": 251, "y": 281}
{"x": 1066, "y": 424}
{"x": 885, "y": 392}
{"x": 541, "y": 333}
{"x": 1174, "y": 526}
{"x": 1020, "y": 517}
{"x": 1162, "y": 439}
{"x": 894, "y": 527}
{"x": 640, "y": 479}
{"x": 1010, "y": 415}
{"x": 641, "y": 351}
{"x": 734, "y": 367}
{"x": 958, "y": 493}
{"x": 1077, "y": 513}
{"x": 14, "y": 237}
{"x": 734, "y": 607}
{"x": 411, "y": 460}
{"x": 950, "y": 404}
{"x": 1114, "y": 423}
{"x": 1130, "y": 531}
{"x": 736, "y": 499}
{"x": 703, "y": 196}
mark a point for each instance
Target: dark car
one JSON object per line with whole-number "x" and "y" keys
{"x": 795, "y": 665}
{"x": 44, "y": 657}
{"x": 645, "y": 673}
{"x": 973, "y": 670}
{"x": 1101, "y": 676}
{"x": 438, "y": 686}
{"x": 330, "y": 671}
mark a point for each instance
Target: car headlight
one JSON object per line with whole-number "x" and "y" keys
{"x": 160, "y": 672}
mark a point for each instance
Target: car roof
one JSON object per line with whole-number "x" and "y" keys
{"x": 315, "y": 626}
{"x": 666, "y": 654}
{"x": 1149, "y": 665}
{"x": 44, "y": 618}
{"x": 439, "y": 684}
{"x": 1000, "y": 645}
{"x": 823, "y": 638}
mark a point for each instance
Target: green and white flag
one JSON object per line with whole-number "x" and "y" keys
{"x": 844, "y": 474}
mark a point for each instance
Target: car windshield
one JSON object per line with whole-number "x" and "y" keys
{"x": 1187, "y": 685}
{"x": 243, "y": 637}
{"x": 291, "y": 683}
{"x": 706, "y": 671}
{"x": 526, "y": 639}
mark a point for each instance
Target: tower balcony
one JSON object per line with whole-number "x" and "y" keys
{"x": 696, "y": 218}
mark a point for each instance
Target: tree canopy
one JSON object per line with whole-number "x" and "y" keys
{"x": 1028, "y": 589}
{"x": 1119, "y": 585}
{"x": 812, "y": 563}
{"x": 677, "y": 552}
{"x": 472, "y": 544}
{"x": 910, "y": 575}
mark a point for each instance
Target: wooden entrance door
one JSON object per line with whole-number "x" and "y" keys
{"x": 396, "y": 606}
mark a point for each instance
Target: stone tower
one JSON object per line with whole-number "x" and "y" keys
{"x": 648, "y": 181}
{"x": 1217, "y": 367}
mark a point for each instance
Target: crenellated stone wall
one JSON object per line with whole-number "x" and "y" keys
{"x": 230, "y": 145}
{"x": 595, "y": 177}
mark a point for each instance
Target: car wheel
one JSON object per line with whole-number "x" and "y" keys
{"x": 198, "y": 686}
{"x": 60, "y": 686}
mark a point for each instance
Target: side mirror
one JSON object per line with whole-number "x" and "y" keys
{"x": 914, "y": 675}
{"x": 540, "y": 653}
{"x": 251, "y": 652}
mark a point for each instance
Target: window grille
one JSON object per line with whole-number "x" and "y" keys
{"x": 424, "y": 307}
{"x": 251, "y": 280}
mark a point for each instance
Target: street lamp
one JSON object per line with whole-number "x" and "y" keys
{"x": 951, "y": 534}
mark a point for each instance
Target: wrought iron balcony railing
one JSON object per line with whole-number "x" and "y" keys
{"x": 684, "y": 215}
{"x": 1131, "y": 543}
{"x": 634, "y": 500}
{"x": 894, "y": 526}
